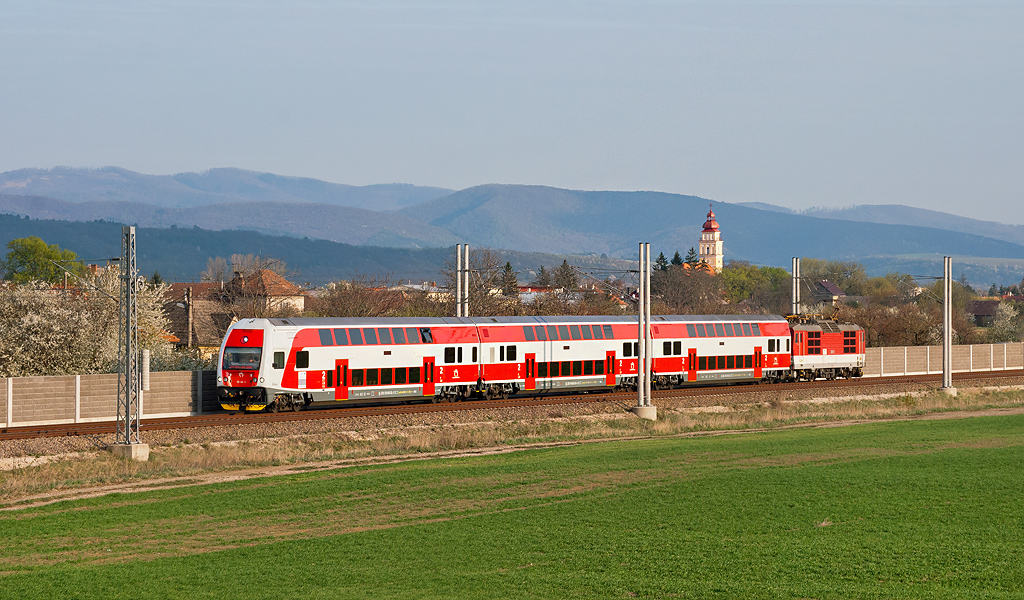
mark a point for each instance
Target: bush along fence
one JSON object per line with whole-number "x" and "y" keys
{"x": 28, "y": 401}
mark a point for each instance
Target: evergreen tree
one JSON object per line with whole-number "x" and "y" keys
{"x": 565, "y": 277}
{"x": 662, "y": 263}
{"x": 691, "y": 257}
{"x": 509, "y": 281}
{"x": 543, "y": 278}
{"x": 156, "y": 279}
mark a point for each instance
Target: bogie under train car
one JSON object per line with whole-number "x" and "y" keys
{"x": 290, "y": 363}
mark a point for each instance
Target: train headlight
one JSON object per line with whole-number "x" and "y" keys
{"x": 261, "y": 380}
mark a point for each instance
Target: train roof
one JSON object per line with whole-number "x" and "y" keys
{"x": 441, "y": 321}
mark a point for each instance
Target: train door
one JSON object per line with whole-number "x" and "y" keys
{"x": 691, "y": 363}
{"x": 428, "y": 375}
{"x": 531, "y": 372}
{"x": 341, "y": 379}
{"x": 757, "y": 362}
{"x": 609, "y": 367}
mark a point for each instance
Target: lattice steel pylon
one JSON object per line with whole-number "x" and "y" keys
{"x": 129, "y": 380}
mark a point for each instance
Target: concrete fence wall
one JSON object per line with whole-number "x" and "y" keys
{"x": 924, "y": 360}
{"x": 28, "y": 401}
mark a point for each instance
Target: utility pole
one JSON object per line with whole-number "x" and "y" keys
{"x": 643, "y": 408}
{"x": 465, "y": 285}
{"x": 458, "y": 280}
{"x": 129, "y": 380}
{"x": 947, "y": 326}
{"x": 795, "y": 310}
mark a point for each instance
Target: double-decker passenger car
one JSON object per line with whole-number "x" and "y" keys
{"x": 289, "y": 363}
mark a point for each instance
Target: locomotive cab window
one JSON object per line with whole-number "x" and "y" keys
{"x": 242, "y": 358}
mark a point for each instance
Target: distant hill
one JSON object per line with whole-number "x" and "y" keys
{"x": 216, "y": 186}
{"x": 180, "y": 254}
{"x": 566, "y": 221}
{"x": 321, "y": 221}
{"x": 896, "y": 214}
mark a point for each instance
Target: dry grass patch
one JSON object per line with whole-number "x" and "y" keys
{"x": 187, "y": 460}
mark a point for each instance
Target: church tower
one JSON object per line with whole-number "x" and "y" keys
{"x": 711, "y": 243}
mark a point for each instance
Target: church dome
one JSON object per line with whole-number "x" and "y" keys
{"x": 711, "y": 224}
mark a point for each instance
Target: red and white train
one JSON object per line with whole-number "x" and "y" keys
{"x": 289, "y": 363}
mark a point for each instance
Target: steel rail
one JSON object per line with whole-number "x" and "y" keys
{"x": 351, "y": 411}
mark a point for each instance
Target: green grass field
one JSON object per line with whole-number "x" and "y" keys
{"x": 918, "y": 509}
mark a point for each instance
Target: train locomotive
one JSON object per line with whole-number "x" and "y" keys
{"x": 279, "y": 363}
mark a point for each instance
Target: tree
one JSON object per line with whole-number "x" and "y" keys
{"x": 691, "y": 258}
{"x": 361, "y": 297}
{"x": 156, "y": 279}
{"x": 543, "y": 278}
{"x": 216, "y": 270}
{"x": 509, "y": 281}
{"x": 661, "y": 263}
{"x": 565, "y": 277}
{"x": 32, "y": 259}
{"x": 1006, "y": 326}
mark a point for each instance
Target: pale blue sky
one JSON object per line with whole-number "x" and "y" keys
{"x": 792, "y": 103}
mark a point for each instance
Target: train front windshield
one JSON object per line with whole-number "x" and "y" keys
{"x": 242, "y": 358}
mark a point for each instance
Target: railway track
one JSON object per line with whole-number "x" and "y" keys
{"x": 341, "y": 412}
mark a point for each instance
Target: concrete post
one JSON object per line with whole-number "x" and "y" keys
{"x": 947, "y": 326}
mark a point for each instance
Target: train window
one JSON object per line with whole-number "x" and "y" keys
{"x": 608, "y": 333}
{"x": 677, "y": 348}
{"x": 636, "y": 348}
{"x": 771, "y": 345}
{"x": 325, "y": 337}
{"x": 369, "y": 335}
{"x": 755, "y": 329}
{"x": 588, "y": 367}
{"x": 355, "y": 336}
{"x": 460, "y": 353}
{"x": 719, "y": 330}
{"x": 542, "y": 369}
{"x": 598, "y": 367}
{"x": 414, "y": 374}
{"x": 511, "y": 354}
{"x": 542, "y": 335}
{"x": 330, "y": 379}
{"x": 563, "y": 333}
{"x": 574, "y": 332}
{"x": 278, "y": 360}
{"x": 528, "y": 333}
{"x": 357, "y": 377}
{"x": 552, "y": 333}
{"x": 412, "y": 335}
{"x": 666, "y": 348}
{"x": 577, "y": 367}
{"x": 449, "y": 354}
{"x": 728, "y": 329}
{"x": 627, "y": 349}
{"x": 748, "y": 361}
{"x": 399, "y": 376}
{"x": 702, "y": 363}
{"x": 691, "y": 331}
{"x": 598, "y": 334}
{"x": 340, "y": 337}
{"x": 384, "y": 335}
{"x": 787, "y": 344}
{"x": 386, "y": 376}
{"x": 585, "y": 329}
{"x": 474, "y": 354}
{"x": 426, "y": 336}
{"x": 302, "y": 359}
{"x": 700, "y": 330}
{"x": 565, "y": 368}
{"x": 399, "y": 334}
{"x": 501, "y": 353}
{"x": 371, "y": 377}
{"x": 746, "y": 329}
{"x": 730, "y": 362}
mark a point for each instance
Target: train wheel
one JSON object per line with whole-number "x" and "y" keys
{"x": 274, "y": 407}
{"x": 296, "y": 406}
